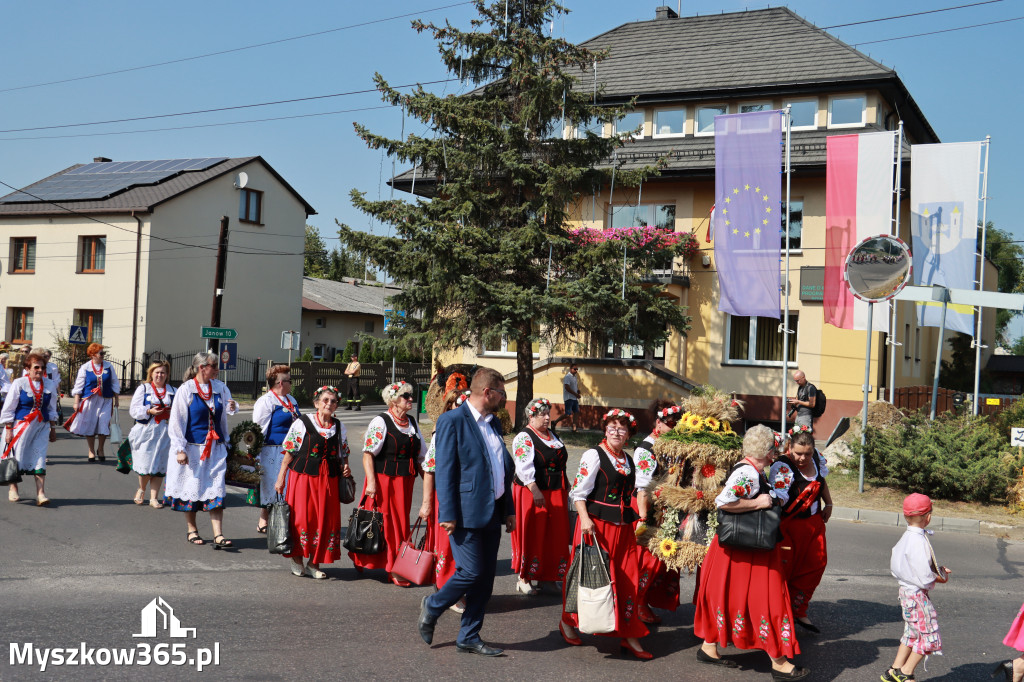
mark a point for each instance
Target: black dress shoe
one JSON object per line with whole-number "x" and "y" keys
{"x": 810, "y": 627}
{"x": 797, "y": 673}
{"x": 425, "y": 623}
{"x": 705, "y": 658}
{"x": 480, "y": 648}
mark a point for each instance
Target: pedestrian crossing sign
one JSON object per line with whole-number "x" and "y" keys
{"x": 78, "y": 335}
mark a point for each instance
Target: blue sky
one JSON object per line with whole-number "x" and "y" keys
{"x": 965, "y": 81}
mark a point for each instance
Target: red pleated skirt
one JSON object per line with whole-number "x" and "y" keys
{"x": 803, "y": 564}
{"x": 540, "y": 541}
{"x": 316, "y": 516}
{"x": 1015, "y": 637}
{"x": 620, "y": 543}
{"x": 437, "y": 539}
{"x": 394, "y": 496}
{"x": 743, "y": 600}
{"x": 659, "y": 586}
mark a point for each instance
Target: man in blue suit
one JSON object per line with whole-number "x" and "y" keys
{"x": 473, "y": 479}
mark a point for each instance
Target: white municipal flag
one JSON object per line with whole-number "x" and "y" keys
{"x": 944, "y": 182}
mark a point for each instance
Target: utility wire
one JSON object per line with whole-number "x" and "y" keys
{"x": 945, "y": 30}
{"x": 234, "y": 49}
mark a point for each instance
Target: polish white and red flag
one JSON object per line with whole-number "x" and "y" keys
{"x": 858, "y": 204}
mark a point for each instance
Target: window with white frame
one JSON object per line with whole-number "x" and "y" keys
{"x": 804, "y": 113}
{"x": 627, "y": 351}
{"x": 319, "y": 349}
{"x": 796, "y": 224}
{"x": 633, "y": 122}
{"x": 504, "y": 346}
{"x": 755, "y": 106}
{"x": 670, "y": 122}
{"x": 644, "y": 215}
{"x": 706, "y": 118}
{"x": 758, "y": 340}
{"x": 846, "y": 111}
{"x": 592, "y": 126}
{"x": 321, "y": 322}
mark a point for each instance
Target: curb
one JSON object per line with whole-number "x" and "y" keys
{"x": 886, "y": 518}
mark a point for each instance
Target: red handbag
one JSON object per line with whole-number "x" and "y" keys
{"x": 413, "y": 562}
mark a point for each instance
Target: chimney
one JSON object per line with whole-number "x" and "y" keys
{"x": 665, "y": 12}
{"x": 101, "y": 159}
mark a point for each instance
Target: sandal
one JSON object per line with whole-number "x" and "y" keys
{"x": 261, "y": 529}
{"x": 315, "y": 573}
{"x": 42, "y": 500}
{"x": 140, "y": 495}
{"x": 193, "y": 538}
{"x": 12, "y": 495}
{"x": 222, "y": 543}
{"x": 156, "y": 504}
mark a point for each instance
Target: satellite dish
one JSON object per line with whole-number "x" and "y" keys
{"x": 241, "y": 180}
{"x": 878, "y": 268}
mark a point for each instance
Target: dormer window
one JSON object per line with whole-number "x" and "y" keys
{"x": 670, "y": 122}
{"x": 592, "y": 126}
{"x": 804, "y": 113}
{"x": 633, "y": 121}
{"x": 706, "y": 118}
{"x": 847, "y": 111}
{"x": 755, "y": 106}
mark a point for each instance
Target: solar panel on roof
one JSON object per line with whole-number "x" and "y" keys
{"x": 104, "y": 179}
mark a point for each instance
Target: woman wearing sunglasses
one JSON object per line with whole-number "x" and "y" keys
{"x": 96, "y": 389}
{"x": 31, "y": 402}
{"x": 274, "y": 413}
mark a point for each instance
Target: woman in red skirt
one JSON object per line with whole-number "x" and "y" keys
{"x": 659, "y": 587}
{"x": 540, "y": 540}
{"x": 393, "y": 453}
{"x": 798, "y": 479}
{"x": 315, "y": 455}
{"x": 742, "y": 598}
{"x": 437, "y": 537}
{"x": 1013, "y": 670}
{"x": 601, "y": 493}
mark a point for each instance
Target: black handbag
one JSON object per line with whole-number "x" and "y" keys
{"x": 9, "y": 471}
{"x": 279, "y": 528}
{"x": 754, "y": 530}
{"x": 346, "y": 489}
{"x": 365, "y": 533}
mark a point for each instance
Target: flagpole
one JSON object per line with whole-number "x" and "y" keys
{"x": 893, "y": 339}
{"x": 981, "y": 277}
{"x": 786, "y": 116}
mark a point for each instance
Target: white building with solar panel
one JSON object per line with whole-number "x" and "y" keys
{"x": 129, "y": 251}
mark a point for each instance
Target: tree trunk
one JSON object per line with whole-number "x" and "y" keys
{"x": 524, "y": 384}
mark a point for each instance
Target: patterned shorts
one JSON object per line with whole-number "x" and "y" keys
{"x": 921, "y": 623}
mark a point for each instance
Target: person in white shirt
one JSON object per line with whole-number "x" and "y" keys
{"x": 570, "y": 397}
{"x": 5, "y": 378}
{"x": 913, "y": 564}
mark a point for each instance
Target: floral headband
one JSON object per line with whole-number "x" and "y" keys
{"x": 798, "y": 429}
{"x": 537, "y": 405}
{"x": 669, "y": 412}
{"x": 332, "y": 389}
{"x": 615, "y": 413}
{"x": 778, "y": 438}
{"x": 392, "y": 391}
{"x": 462, "y": 398}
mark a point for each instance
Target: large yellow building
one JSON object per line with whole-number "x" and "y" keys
{"x": 683, "y": 72}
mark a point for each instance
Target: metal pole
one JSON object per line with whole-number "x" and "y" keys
{"x": 938, "y": 353}
{"x": 893, "y": 337}
{"x": 135, "y": 305}
{"x": 981, "y": 277}
{"x": 867, "y": 390}
{"x": 787, "y": 117}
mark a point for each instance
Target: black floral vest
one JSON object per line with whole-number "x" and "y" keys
{"x": 397, "y": 456}
{"x": 548, "y": 465}
{"x": 800, "y": 483}
{"x": 609, "y": 500}
{"x": 316, "y": 449}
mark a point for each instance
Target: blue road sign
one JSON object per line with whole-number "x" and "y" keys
{"x": 78, "y": 335}
{"x": 228, "y": 355}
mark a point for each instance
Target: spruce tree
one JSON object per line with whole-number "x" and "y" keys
{"x": 473, "y": 259}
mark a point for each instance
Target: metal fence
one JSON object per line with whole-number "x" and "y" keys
{"x": 917, "y": 397}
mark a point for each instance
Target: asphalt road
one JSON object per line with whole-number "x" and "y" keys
{"x": 78, "y": 573}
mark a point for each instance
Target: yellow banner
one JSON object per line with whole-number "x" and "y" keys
{"x": 953, "y": 307}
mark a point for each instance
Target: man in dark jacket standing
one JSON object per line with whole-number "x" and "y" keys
{"x": 473, "y": 479}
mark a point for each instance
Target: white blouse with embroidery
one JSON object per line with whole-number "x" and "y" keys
{"x": 297, "y": 433}
{"x": 780, "y": 476}
{"x": 586, "y": 476}
{"x": 741, "y": 485}
{"x": 646, "y": 464}
{"x": 377, "y": 430}
{"x": 523, "y": 453}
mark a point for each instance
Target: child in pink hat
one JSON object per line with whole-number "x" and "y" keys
{"x": 913, "y": 564}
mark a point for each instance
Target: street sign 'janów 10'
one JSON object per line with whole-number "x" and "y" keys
{"x": 218, "y": 333}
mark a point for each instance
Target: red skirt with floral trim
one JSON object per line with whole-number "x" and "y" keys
{"x": 804, "y": 562}
{"x": 540, "y": 541}
{"x": 620, "y": 543}
{"x": 659, "y": 587}
{"x": 316, "y": 516}
{"x": 394, "y": 499}
{"x": 743, "y": 600}
{"x": 437, "y": 541}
